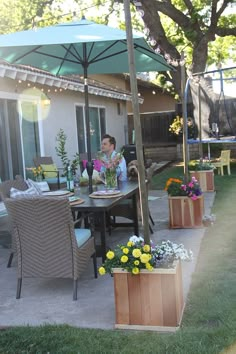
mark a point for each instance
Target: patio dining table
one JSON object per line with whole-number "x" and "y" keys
{"x": 100, "y": 207}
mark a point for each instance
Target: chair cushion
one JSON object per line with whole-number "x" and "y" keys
{"x": 40, "y": 186}
{"x": 3, "y": 210}
{"x": 50, "y": 170}
{"x": 82, "y": 235}
{"x": 55, "y": 180}
{"x": 16, "y": 193}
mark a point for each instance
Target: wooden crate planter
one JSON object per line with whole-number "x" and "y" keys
{"x": 205, "y": 179}
{"x": 150, "y": 300}
{"x": 185, "y": 212}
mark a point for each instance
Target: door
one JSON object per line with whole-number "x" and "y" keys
{"x": 19, "y": 137}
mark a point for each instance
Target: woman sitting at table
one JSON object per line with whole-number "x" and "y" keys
{"x": 112, "y": 159}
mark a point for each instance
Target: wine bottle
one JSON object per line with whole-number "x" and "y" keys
{"x": 70, "y": 181}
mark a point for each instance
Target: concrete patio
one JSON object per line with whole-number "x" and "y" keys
{"x": 50, "y": 301}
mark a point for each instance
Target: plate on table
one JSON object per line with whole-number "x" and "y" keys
{"x": 106, "y": 192}
{"x": 57, "y": 193}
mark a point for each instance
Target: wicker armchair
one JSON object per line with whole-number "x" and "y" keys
{"x": 48, "y": 246}
{"x": 5, "y": 188}
{"x": 53, "y": 182}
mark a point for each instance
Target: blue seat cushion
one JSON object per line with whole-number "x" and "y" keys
{"x": 82, "y": 235}
{"x": 54, "y": 179}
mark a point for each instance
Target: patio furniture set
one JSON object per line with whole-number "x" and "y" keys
{"x": 45, "y": 233}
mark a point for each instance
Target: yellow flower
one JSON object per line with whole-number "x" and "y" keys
{"x": 130, "y": 244}
{"x": 124, "y": 259}
{"x": 149, "y": 267}
{"x": 125, "y": 250}
{"x": 136, "y": 253}
{"x": 144, "y": 258}
{"x": 146, "y": 248}
{"x": 135, "y": 270}
{"x": 102, "y": 271}
{"x": 110, "y": 254}
{"x": 136, "y": 262}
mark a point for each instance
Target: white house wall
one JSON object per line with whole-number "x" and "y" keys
{"x": 62, "y": 115}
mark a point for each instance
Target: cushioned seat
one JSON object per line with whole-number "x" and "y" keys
{"x": 82, "y": 235}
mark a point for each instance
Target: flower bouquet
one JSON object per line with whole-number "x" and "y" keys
{"x": 148, "y": 286}
{"x": 186, "y": 203}
{"x": 37, "y": 173}
{"x": 110, "y": 166}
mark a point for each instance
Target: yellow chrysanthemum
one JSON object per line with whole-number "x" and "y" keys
{"x": 125, "y": 250}
{"x": 149, "y": 267}
{"x": 110, "y": 254}
{"x": 135, "y": 271}
{"x": 130, "y": 244}
{"x": 102, "y": 271}
{"x": 144, "y": 258}
{"x": 136, "y": 262}
{"x": 136, "y": 253}
{"x": 146, "y": 248}
{"x": 124, "y": 259}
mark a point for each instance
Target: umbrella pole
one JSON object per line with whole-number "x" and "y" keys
{"x": 89, "y": 165}
{"x": 137, "y": 124}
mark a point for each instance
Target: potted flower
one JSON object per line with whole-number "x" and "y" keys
{"x": 203, "y": 171}
{"x": 186, "y": 203}
{"x": 147, "y": 283}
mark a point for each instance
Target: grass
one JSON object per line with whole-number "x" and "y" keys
{"x": 209, "y": 322}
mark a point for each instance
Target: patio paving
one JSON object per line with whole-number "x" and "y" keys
{"x": 50, "y": 301}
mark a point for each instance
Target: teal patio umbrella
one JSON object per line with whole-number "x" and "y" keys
{"x": 82, "y": 48}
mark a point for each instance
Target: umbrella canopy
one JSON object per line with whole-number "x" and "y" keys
{"x": 68, "y": 48}
{"x": 79, "y": 48}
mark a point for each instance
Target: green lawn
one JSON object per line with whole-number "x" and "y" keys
{"x": 209, "y": 322}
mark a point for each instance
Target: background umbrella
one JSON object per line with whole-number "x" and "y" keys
{"x": 79, "y": 48}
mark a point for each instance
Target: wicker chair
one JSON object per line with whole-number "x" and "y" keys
{"x": 5, "y": 188}
{"x": 53, "y": 182}
{"x": 48, "y": 246}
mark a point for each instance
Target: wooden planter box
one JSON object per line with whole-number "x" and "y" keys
{"x": 185, "y": 212}
{"x": 150, "y": 300}
{"x": 205, "y": 179}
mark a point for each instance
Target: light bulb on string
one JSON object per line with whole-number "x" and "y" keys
{"x": 182, "y": 62}
{"x": 153, "y": 42}
{"x": 146, "y": 31}
{"x": 158, "y": 50}
{"x": 167, "y": 56}
{"x": 141, "y": 12}
{"x": 175, "y": 62}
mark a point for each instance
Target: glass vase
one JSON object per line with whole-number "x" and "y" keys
{"x": 110, "y": 178}
{"x": 39, "y": 178}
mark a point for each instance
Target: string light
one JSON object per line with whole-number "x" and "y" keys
{"x": 153, "y": 42}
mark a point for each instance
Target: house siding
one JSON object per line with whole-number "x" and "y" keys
{"x": 62, "y": 114}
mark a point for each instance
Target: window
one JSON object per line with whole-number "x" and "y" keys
{"x": 97, "y": 128}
